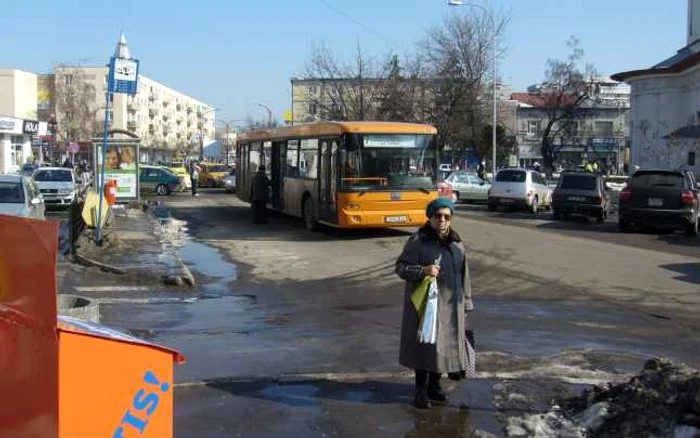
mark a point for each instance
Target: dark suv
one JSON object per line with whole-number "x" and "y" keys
{"x": 660, "y": 197}
{"x": 581, "y": 193}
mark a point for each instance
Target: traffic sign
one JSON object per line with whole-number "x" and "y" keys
{"x": 74, "y": 148}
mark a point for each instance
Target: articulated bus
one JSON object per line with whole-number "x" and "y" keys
{"x": 344, "y": 174}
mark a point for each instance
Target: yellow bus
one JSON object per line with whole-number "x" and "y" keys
{"x": 344, "y": 174}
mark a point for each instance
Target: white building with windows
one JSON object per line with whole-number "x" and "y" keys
{"x": 665, "y": 106}
{"x": 18, "y": 119}
{"x": 169, "y": 123}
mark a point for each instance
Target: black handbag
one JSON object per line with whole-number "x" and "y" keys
{"x": 468, "y": 338}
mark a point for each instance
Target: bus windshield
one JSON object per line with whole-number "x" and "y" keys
{"x": 389, "y": 162}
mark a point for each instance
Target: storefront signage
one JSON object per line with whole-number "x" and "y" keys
{"x": 10, "y": 125}
{"x": 30, "y": 127}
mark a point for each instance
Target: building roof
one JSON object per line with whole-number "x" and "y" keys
{"x": 681, "y": 61}
{"x": 538, "y": 100}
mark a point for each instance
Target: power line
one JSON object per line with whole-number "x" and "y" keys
{"x": 359, "y": 23}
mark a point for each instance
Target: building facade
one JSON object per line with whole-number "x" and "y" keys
{"x": 600, "y": 132}
{"x": 665, "y": 106}
{"x": 169, "y": 123}
{"x": 19, "y": 127}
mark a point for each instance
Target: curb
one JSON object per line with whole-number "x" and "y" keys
{"x": 82, "y": 260}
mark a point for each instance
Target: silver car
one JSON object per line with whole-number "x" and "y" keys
{"x": 58, "y": 185}
{"x": 230, "y": 181}
{"x": 19, "y": 196}
{"x": 523, "y": 188}
{"x": 468, "y": 187}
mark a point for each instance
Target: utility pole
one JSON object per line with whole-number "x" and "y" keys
{"x": 269, "y": 114}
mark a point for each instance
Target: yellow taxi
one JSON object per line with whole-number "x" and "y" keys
{"x": 180, "y": 169}
{"x": 213, "y": 174}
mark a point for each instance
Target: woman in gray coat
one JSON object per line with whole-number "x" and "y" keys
{"x": 435, "y": 240}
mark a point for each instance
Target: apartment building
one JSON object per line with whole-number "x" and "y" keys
{"x": 599, "y": 133}
{"x": 169, "y": 123}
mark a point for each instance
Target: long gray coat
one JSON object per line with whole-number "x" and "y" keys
{"x": 455, "y": 296}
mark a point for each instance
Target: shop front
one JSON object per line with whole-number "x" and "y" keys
{"x": 16, "y": 142}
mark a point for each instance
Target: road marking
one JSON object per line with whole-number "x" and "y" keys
{"x": 113, "y": 288}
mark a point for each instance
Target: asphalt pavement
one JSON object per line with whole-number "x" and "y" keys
{"x": 292, "y": 333}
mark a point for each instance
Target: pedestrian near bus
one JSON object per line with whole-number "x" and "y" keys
{"x": 194, "y": 176}
{"x": 436, "y": 240}
{"x": 260, "y": 195}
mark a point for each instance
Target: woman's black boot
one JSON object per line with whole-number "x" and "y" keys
{"x": 435, "y": 391}
{"x": 421, "y": 399}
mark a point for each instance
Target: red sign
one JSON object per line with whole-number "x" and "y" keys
{"x": 74, "y": 148}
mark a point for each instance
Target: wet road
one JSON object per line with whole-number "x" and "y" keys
{"x": 300, "y": 334}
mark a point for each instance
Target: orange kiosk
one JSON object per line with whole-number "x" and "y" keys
{"x": 61, "y": 376}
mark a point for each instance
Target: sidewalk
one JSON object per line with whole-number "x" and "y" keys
{"x": 136, "y": 245}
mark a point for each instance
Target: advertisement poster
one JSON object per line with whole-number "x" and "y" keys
{"x": 121, "y": 164}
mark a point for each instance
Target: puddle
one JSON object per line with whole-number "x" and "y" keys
{"x": 292, "y": 395}
{"x": 199, "y": 257}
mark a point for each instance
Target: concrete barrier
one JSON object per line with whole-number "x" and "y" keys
{"x": 78, "y": 307}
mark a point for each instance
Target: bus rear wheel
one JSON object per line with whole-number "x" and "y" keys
{"x": 309, "y": 213}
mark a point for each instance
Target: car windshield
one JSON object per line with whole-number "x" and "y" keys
{"x": 29, "y": 167}
{"x": 388, "y": 162}
{"x": 517, "y": 176}
{"x": 221, "y": 168}
{"x": 657, "y": 180}
{"x": 578, "y": 182}
{"x": 11, "y": 193}
{"x": 53, "y": 175}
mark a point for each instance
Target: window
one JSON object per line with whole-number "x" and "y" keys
{"x": 604, "y": 129}
{"x": 68, "y": 79}
{"x": 511, "y": 176}
{"x": 312, "y": 89}
{"x": 533, "y": 128}
{"x": 255, "y": 159}
{"x": 11, "y": 193}
{"x": 312, "y": 108}
{"x": 578, "y": 182}
{"x": 292, "y": 167}
{"x": 308, "y": 159}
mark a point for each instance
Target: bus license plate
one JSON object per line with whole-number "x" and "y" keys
{"x": 395, "y": 219}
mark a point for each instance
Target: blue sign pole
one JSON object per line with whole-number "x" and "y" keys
{"x": 101, "y": 179}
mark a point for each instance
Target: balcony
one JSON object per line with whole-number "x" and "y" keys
{"x": 131, "y": 125}
{"x": 153, "y": 112}
{"x": 151, "y": 129}
{"x": 166, "y": 101}
{"x": 178, "y": 106}
{"x": 166, "y": 130}
{"x": 189, "y": 110}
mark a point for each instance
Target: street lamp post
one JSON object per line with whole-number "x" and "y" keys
{"x": 494, "y": 43}
{"x": 228, "y": 124}
{"x": 269, "y": 114}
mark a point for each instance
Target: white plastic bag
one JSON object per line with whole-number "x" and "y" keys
{"x": 427, "y": 334}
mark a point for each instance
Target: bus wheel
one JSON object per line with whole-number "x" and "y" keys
{"x": 310, "y": 220}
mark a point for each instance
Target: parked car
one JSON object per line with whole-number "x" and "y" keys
{"x": 581, "y": 193}
{"x": 28, "y": 169}
{"x": 212, "y": 174}
{"x": 445, "y": 167}
{"x": 230, "y": 181}
{"x": 667, "y": 198}
{"x": 19, "y": 196}
{"x": 159, "y": 179}
{"x": 468, "y": 187}
{"x": 523, "y": 188}
{"x": 58, "y": 185}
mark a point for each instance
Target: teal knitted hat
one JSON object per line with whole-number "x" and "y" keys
{"x": 437, "y": 204}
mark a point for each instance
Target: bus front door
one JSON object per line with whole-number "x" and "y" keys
{"x": 328, "y": 181}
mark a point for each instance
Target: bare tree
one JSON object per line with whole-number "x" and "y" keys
{"x": 456, "y": 62}
{"x": 74, "y": 104}
{"x": 344, "y": 91}
{"x": 565, "y": 91}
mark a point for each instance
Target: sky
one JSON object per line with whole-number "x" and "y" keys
{"x": 238, "y": 55}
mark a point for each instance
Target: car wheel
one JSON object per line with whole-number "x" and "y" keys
{"x": 309, "y": 214}
{"x": 535, "y": 206}
{"x": 692, "y": 229}
{"x": 556, "y": 215}
{"x": 162, "y": 190}
{"x": 624, "y": 225}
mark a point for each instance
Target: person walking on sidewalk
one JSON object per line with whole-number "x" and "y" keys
{"x": 435, "y": 240}
{"x": 260, "y": 195}
{"x": 194, "y": 176}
